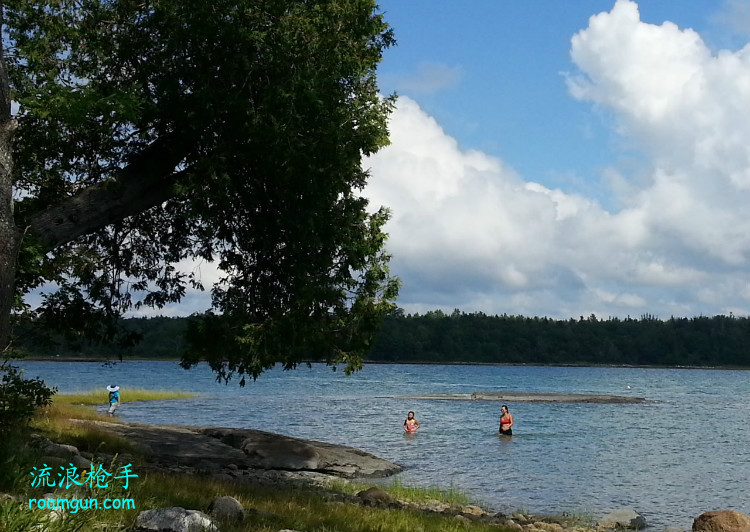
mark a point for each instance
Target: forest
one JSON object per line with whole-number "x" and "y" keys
{"x": 459, "y": 337}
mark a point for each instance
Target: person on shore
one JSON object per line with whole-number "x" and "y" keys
{"x": 114, "y": 399}
{"x": 411, "y": 425}
{"x": 506, "y": 422}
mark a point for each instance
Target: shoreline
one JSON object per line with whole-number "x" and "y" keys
{"x": 51, "y": 358}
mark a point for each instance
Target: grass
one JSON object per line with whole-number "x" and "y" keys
{"x": 272, "y": 509}
{"x": 100, "y": 397}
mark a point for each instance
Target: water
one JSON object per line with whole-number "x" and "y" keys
{"x": 685, "y": 451}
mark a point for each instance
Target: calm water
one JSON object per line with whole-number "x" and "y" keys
{"x": 684, "y": 452}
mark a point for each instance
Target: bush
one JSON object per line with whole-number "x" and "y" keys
{"x": 19, "y": 398}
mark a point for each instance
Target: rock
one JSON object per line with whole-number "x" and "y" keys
{"x": 375, "y": 497}
{"x": 80, "y": 462}
{"x": 722, "y": 521}
{"x": 473, "y": 510}
{"x": 264, "y": 450}
{"x": 624, "y": 518}
{"x": 673, "y": 529}
{"x": 548, "y": 527}
{"x": 174, "y": 519}
{"x": 510, "y": 524}
{"x": 55, "y": 462}
{"x": 61, "y": 450}
{"x": 226, "y": 508}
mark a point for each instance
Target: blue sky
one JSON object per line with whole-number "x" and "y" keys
{"x": 544, "y": 162}
{"x": 492, "y": 74}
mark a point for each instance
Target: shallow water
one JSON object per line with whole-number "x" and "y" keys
{"x": 685, "y": 451}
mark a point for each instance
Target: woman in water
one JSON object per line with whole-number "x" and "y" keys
{"x": 410, "y": 423}
{"x": 506, "y": 422}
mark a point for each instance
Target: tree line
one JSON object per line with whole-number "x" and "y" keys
{"x": 439, "y": 337}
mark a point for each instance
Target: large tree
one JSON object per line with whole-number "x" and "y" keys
{"x": 139, "y": 136}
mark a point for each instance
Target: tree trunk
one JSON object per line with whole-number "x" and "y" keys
{"x": 9, "y": 235}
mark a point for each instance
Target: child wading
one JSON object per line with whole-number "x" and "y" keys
{"x": 114, "y": 398}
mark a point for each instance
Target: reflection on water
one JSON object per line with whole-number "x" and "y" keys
{"x": 684, "y": 452}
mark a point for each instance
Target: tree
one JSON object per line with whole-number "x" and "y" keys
{"x": 152, "y": 133}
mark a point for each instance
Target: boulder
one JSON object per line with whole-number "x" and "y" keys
{"x": 375, "y": 497}
{"x": 722, "y": 521}
{"x": 623, "y": 518}
{"x": 673, "y": 529}
{"x": 80, "y": 462}
{"x": 226, "y": 508}
{"x": 174, "y": 519}
{"x": 61, "y": 450}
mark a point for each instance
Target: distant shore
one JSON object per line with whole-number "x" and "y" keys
{"x": 53, "y": 358}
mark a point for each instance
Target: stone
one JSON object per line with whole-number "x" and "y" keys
{"x": 673, "y": 529}
{"x": 473, "y": 510}
{"x": 375, "y": 497}
{"x": 722, "y": 521}
{"x": 226, "y": 508}
{"x": 174, "y": 519}
{"x": 510, "y": 524}
{"x": 548, "y": 527}
{"x": 80, "y": 462}
{"x": 61, "y": 450}
{"x": 623, "y": 518}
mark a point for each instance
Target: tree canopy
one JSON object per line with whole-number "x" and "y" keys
{"x": 152, "y": 134}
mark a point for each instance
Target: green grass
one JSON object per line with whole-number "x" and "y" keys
{"x": 272, "y": 509}
{"x": 101, "y": 396}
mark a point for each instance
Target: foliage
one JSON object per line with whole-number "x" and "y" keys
{"x": 20, "y": 398}
{"x": 157, "y": 134}
{"x": 477, "y": 337}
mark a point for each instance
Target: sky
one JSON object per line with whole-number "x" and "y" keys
{"x": 564, "y": 159}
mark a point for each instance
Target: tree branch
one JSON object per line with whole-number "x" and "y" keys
{"x": 146, "y": 182}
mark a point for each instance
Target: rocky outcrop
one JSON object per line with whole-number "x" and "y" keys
{"x": 264, "y": 450}
{"x": 229, "y": 451}
{"x": 722, "y": 521}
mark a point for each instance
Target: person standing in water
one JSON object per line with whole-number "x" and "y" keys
{"x": 411, "y": 424}
{"x": 114, "y": 399}
{"x": 506, "y": 422}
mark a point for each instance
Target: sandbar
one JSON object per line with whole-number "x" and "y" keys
{"x": 525, "y": 397}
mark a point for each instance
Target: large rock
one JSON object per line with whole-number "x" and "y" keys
{"x": 174, "y": 519}
{"x": 212, "y": 449}
{"x": 60, "y": 449}
{"x": 623, "y": 518}
{"x": 722, "y": 521}
{"x": 226, "y": 508}
{"x": 265, "y": 450}
{"x": 374, "y": 496}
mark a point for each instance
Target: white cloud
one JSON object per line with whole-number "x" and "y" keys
{"x": 469, "y": 232}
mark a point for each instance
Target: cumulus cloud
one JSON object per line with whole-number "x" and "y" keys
{"x": 469, "y": 232}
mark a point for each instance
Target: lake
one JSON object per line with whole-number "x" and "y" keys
{"x": 685, "y": 451}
